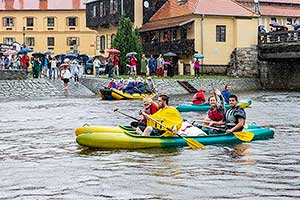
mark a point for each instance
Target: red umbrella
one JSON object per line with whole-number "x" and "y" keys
{"x": 114, "y": 51}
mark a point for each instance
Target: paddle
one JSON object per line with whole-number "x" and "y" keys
{"x": 191, "y": 142}
{"x": 245, "y": 136}
{"x": 117, "y": 110}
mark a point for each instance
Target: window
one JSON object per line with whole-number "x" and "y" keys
{"x": 72, "y": 21}
{"x": 8, "y": 21}
{"x": 71, "y": 41}
{"x": 50, "y": 22}
{"x": 102, "y": 42}
{"x": 8, "y": 40}
{"x": 30, "y": 41}
{"x": 102, "y": 9}
{"x": 94, "y": 11}
{"x": 220, "y": 33}
{"x": 50, "y": 41}
{"x": 113, "y": 7}
{"x": 29, "y": 21}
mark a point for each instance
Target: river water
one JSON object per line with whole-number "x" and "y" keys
{"x": 40, "y": 159}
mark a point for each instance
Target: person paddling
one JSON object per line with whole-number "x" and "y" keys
{"x": 150, "y": 107}
{"x": 167, "y": 115}
{"x": 215, "y": 114}
{"x": 199, "y": 97}
{"x": 235, "y": 116}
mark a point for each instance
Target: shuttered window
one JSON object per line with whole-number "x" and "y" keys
{"x": 220, "y": 33}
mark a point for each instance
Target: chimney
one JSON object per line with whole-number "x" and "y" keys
{"x": 21, "y": 2}
{"x": 43, "y": 4}
{"x": 256, "y": 7}
{"x": 9, "y": 4}
{"x": 76, "y": 4}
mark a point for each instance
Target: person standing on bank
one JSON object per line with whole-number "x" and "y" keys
{"x": 197, "y": 68}
{"x": 116, "y": 65}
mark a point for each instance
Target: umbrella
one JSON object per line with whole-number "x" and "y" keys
{"x": 131, "y": 54}
{"x": 198, "y": 56}
{"x": 60, "y": 57}
{"x": 38, "y": 54}
{"x": 114, "y": 51}
{"x": 276, "y": 25}
{"x": 71, "y": 56}
{"x": 10, "y": 52}
{"x": 296, "y": 26}
{"x": 170, "y": 54}
{"x": 84, "y": 57}
{"x": 25, "y": 50}
{"x": 48, "y": 52}
{"x": 167, "y": 63}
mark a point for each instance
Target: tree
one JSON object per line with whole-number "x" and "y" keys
{"x": 127, "y": 40}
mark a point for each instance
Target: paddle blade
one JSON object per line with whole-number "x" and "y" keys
{"x": 245, "y": 136}
{"x": 193, "y": 144}
{"x": 243, "y": 105}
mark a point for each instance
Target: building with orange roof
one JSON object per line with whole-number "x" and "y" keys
{"x": 59, "y": 26}
{"x": 283, "y": 12}
{"x": 211, "y": 27}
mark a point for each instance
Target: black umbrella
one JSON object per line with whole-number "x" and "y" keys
{"x": 38, "y": 54}
{"x": 170, "y": 54}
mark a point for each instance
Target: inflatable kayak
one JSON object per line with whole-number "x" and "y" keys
{"x": 114, "y": 94}
{"x": 120, "y": 129}
{"x": 128, "y": 140}
{"x": 205, "y": 106}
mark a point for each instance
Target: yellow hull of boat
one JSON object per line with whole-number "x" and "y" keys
{"x": 97, "y": 129}
{"x": 119, "y": 95}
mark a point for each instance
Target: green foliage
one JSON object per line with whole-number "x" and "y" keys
{"x": 127, "y": 40}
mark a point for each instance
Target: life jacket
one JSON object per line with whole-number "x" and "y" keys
{"x": 198, "y": 98}
{"x": 150, "y": 111}
{"x": 215, "y": 115}
{"x": 232, "y": 116}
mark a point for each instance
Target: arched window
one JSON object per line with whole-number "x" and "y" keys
{"x": 102, "y": 42}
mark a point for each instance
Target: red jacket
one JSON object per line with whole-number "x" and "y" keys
{"x": 198, "y": 98}
{"x": 133, "y": 61}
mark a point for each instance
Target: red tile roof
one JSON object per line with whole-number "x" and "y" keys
{"x": 41, "y": 5}
{"x": 166, "y": 23}
{"x": 208, "y": 7}
{"x": 279, "y": 11}
{"x": 282, "y": 1}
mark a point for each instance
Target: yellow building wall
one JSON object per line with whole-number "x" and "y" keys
{"x": 107, "y": 33}
{"x": 239, "y": 33}
{"x": 245, "y": 32}
{"x": 266, "y": 20}
{"x": 40, "y": 30}
{"x": 138, "y": 13}
{"x": 217, "y": 53}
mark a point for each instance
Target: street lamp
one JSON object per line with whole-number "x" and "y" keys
{"x": 24, "y": 36}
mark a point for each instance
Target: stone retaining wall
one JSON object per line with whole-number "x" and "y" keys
{"x": 12, "y": 74}
{"x": 172, "y": 87}
{"x": 244, "y": 62}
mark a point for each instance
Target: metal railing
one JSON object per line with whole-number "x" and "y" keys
{"x": 278, "y": 37}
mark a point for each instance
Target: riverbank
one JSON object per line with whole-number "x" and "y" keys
{"x": 172, "y": 87}
{"x": 90, "y": 85}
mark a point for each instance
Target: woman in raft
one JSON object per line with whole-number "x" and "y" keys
{"x": 216, "y": 112}
{"x": 150, "y": 107}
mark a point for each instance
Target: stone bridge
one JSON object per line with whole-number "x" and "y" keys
{"x": 279, "y": 59}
